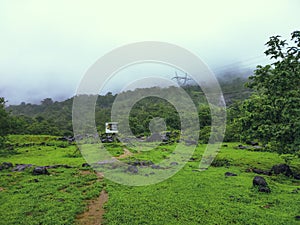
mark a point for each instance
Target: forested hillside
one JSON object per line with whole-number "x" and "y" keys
{"x": 55, "y": 118}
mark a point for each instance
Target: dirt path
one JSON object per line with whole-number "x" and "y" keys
{"x": 94, "y": 214}
{"x": 125, "y": 154}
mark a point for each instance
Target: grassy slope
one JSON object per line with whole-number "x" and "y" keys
{"x": 208, "y": 197}
{"x": 187, "y": 198}
{"x": 54, "y": 199}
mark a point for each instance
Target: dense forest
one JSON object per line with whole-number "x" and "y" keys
{"x": 264, "y": 107}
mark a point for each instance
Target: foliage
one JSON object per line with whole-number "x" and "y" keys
{"x": 55, "y": 118}
{"x": 271, "y": 114}
{"x": 54, "y": 199}
{"x": 4, "y": 123}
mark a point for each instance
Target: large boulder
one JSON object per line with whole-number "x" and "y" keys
{"x": 282, "y": 169}
{"x": 40, "y": 170}
{"x": 259, "y": 181}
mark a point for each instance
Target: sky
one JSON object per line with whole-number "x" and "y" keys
{"x": 46, "y": 47}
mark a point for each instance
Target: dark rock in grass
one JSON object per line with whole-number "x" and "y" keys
{"x": 229, "y": 174}
{"x": 264, "y": 189}
{"x": 36, "y": 180}
{"x": 151, "y": 173}
{"x": 190, "y": 142}
{"x": 21, "y": 167}
{"x": 224, "y": 145}
{"x": 297, "y": 217}
{"x": 40, "y": 170}
{"x": 282, "y": 169}
{"x": 154, "y": 137}
{"x": 58, "y": 166}
{"x": 85, "y": 165}
{"x": 253, "y": 143}
{"x": 297, "y": 176}
{"x": 6, "y": 165}
{"x": 259, "y": 171}
{"x": 192, "y": 159}
{"x": 155, "y": 167}
{"x": 242, "y": 147}
{"x": 259, "y": 181}
{"x": 173, "y": 163}
{"x": 132, "y": 169}
{"x": 141, "y": 163}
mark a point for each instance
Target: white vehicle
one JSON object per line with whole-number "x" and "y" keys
{"x": 111, "y": 127}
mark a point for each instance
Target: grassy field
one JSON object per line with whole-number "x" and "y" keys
{"x": 188, "y": 197}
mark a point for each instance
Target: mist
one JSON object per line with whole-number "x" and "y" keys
{"x": 46, "y": 48}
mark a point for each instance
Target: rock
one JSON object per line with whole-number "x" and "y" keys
{"x": 58, "y": 166}
{"x": 190, "y": 142}
{"x": 264, "y": 189}
{"x": 282, "y": 169}
{"x": 141, "y": 163}
{"x": 85, "y": 165}
{"x": 259, "y": 171}
{"x": 253, "y": 143}
{"x": 155, "y": 167}
{"x": 173, "y": 163}
{"x": 224, "y": 145}
{"x": 297, "y": 217}
{"x": 241, "y": 147}
{"x": 192, "y": 159}
{"x": 21, "y": 167}
{"x": 132, "y": 169}
{"x": 154, "y": 137}
{"x": 297, "y": 176}
{"x": 6, "y": 165}
{"x": 229, "y": 174}
{"x": 259, "y": 181}
{"x": 40, "y": 170}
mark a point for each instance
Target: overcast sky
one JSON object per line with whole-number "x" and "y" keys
{"x": 47, "y": 46}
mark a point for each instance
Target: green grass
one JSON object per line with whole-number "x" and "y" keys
{"x": 188, "y": 197}
{"x": 56, "y": 198}
{"x": 207, "y": 197}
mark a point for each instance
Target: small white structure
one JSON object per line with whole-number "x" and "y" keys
{"x": 111, "y": 127}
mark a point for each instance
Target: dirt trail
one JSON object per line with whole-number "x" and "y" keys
{"x": 95, "y": 212}
{"x": 125, "y": 154}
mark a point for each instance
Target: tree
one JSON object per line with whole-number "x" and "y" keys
{"x": 4, "y": 122}
{"x": 272, "y": 113}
